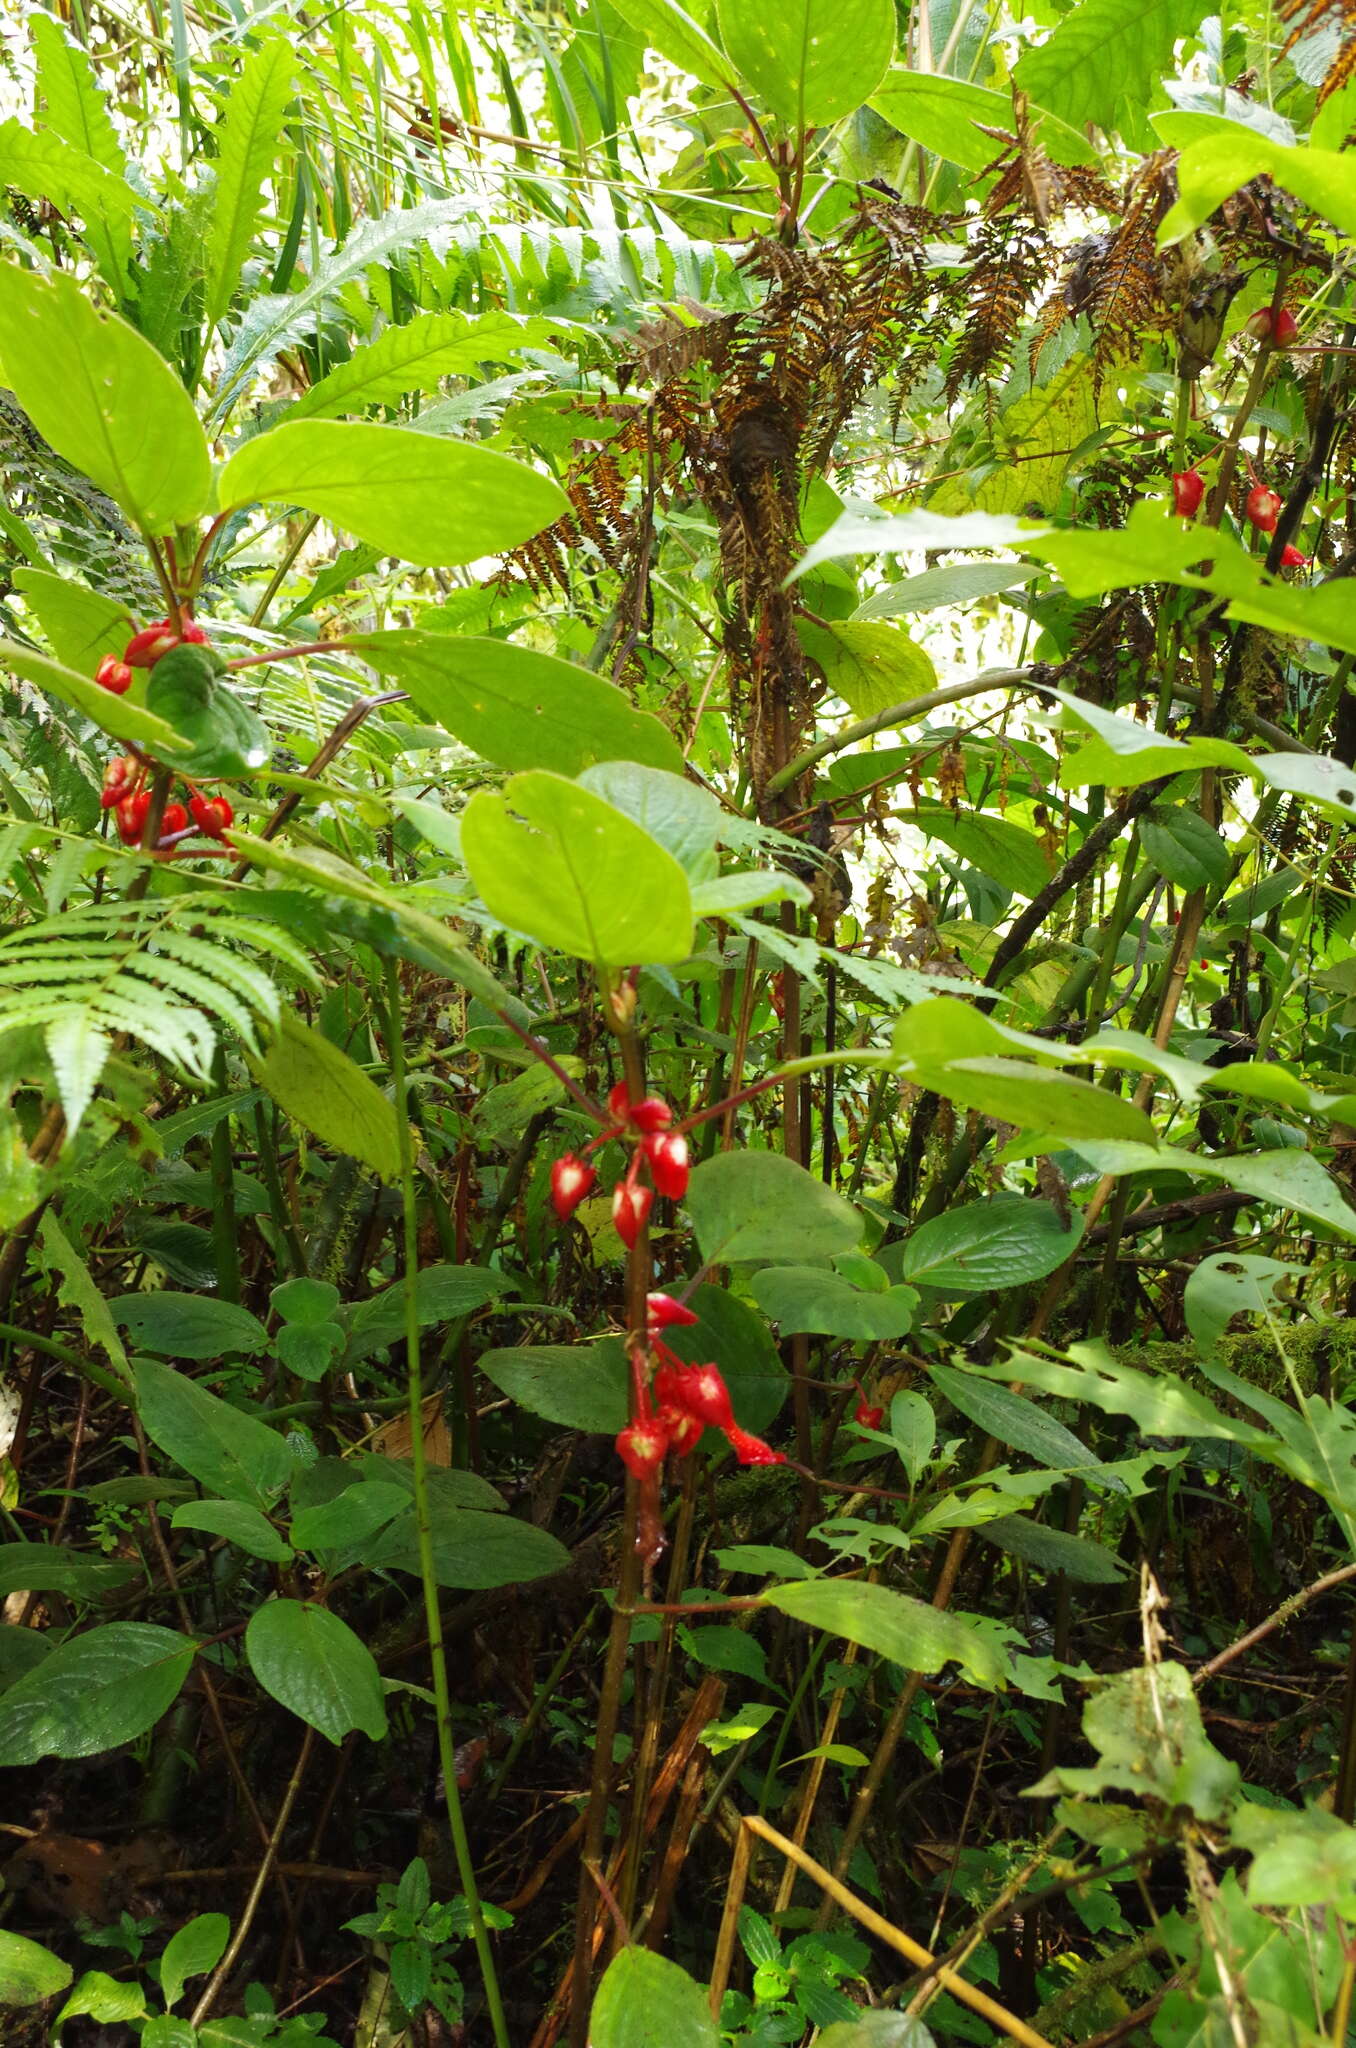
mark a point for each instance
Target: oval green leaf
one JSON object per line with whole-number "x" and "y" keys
{"x": 226, "y": 1450}
{"x": 811, "y": 61}
{"x": 94, "y": 1692}
{"x": 314, "y": 1665}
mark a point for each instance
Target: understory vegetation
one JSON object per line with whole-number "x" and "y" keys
{"x": 678, "y": 1024}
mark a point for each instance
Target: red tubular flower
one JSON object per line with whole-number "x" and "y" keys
{"x": 1291, "y": 558}
{"x": 131, "y": 816}
{"x": 751, "y": 1450}
{"x": 174, "y": 820}
{"x": 211, "y": 815}
{"x": 571, "y": 1180}
{"x": 667, "y": 1154}
{"x": 650, "y": 1114}
{"x": 702, "y": 1391}
{"x": 662, "y": 1312}
{"x": 1188, "y": 488}
{"x": 113, "y": 675}
{"x": 684, "y": 1431}
{"x": 1263, "y": 507}
{"x": 642, "y": 1446}
{"x": 867, "y": 1416}
{"x": 631, "y": 1207}
{"x": 145, "y": 648}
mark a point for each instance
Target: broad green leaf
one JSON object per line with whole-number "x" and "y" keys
{"x": 248, "y": 139}
{"x": 28, "y": 1972}
{"x": 879, "y": 2029}
{"x": 240, "y": 1523}
{"x": 473, "y": 1550}
{"x": 948, "y": 115}
{"x": 417, "y": 355}
{"x": 1006, "y": 852}
{"x": 685, "y": 818}
{"x": 1323, "y": 780}
{"x": 104, "y": 399}
{"x": 304, "y": 1300}
{"x": 119, "y": 717}
{"x": 811, "y": 61}
{"x": 1161, "y": 1406}
{"x": 320, "y": 1088}
{"x": 760, "y": 1207}
{"x": 852, "y": 533}
{"x": 907, "y": 1631}
{"x": 77, "y": 112}
{"x": 819, "y": 1301}
{"x": 1032, "y": 445}
{"x": 737, "y": 1338}
{"x": 932, "y": 589}
{"x": 1020, "y": 1424}
{"x": 914, "y": 1429}
{"x": 103, "y": 1997}
{"x": 77, "y": 1288}
{"x": 1146, "y": 1727}
{"x": 1001, "y": 1243}
{"x": 1286, "y": 1178}
{"x": 1299, "y": 1859}
{"x": 313, "y": 1664}
{"x": 1103, "y": 60}
{"x": 1052, "y": 1550}
{"x": 192, "y": 1951}
{"x": 309, "y": 1350}
{"x": 229, "y": 1451}
{"x": 1184, "y": 847}
{"x": 94, "y": 1692}
{"x": 350, "y": 1518}
{"x": 442, "y": 1294}
{"x": 80, "y": 625}
{"x": 1034, "y": 1099}
{"x": 189, "y": 1325}
{"x": 518, "y": 708}
{"x": 1229, "y": 1284}
{"x": 645, "y": 2001}
{"x": 671, "y": 30}
{"x": 1210, "y": 170}
{"x": 430, "y": 501}
{"x": 20, "y": 1650}
{"x": 869, "y": 665}
{"x": 52, "y": 1568}
{"x": 221, "y": 735}
{"x": 580, "y": 1386}
{"x": 48, "y": 167}
{"x": 556, "y": 863}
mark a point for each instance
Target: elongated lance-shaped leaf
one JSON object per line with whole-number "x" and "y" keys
{"x": 251, "y": 135}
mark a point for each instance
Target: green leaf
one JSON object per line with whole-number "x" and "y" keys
{"x": 442, "y": 1294}
{"x": 432, "y": 502}
{"x": 930, "y": 591}
{"x": 313, "y": 1664}
{"x": 229, "y": 1451}
{"x": 1210, "y": 170}
{"x": 948, "y": 115}
{"x": 1104, "y": 59}
{"x": 78, "y": 1289}
{"x": 28, "y": 1972}
{"x": 304, "y": 1300}
{"x": 119, "y": 717}
{"x": 104, "y": 399}
{"x": 77, "y": 112}
{"x": 1001, "y": 1243}
{"x": 736, "y": 1337}
{"x": 854, "y": 533}
{"x": 189, "y": 1325}
{"x": 1161, "y": 1406}
{"x": 816, "y": 1300}
{"x": 350, "y": 1518}
{"x": 1019, "y": 1424}
{"x": 1146, "y": 1727}
{"x": 1184, "y": 847}
{"x": 240, "y": 1523}
{"x": 1230, "y": 1284}
{"x": 555, "y": 862}
{"x": 472, "y": 1549}
{"x": 518, "y": 708}
{"x": 104, "y": 1998}
{"x": 52, "y": 1568}
{"x": 1285, "y": 1178}
{"x": 577, "y": 1386}
{"x": 165, "y": 2032}
{"x": 309, "y": 1349}
{"x": 1299, "y": 1859}
{"x": 761, "y": 1206}
{"x": 419, "y": 354}
{"x": 320, "y": 1088}
{"x": 908, "y": 1632}
{"x": 811, "y": 62}
{"x": 876, "y": 2030}
{"x": 93, "y": 1693}
{"x": 914, "y": 1429}
{"x": 1052, "y": 1550}
{"x": 20, "y": 1650}
{"x": 869, "y": 665}
{"x": 220, "y": 734}
{"x": 248, "y": 138}
{"x": 46, "y": 166}
{"x": 1009, "y": 854}
{"x": 671, "y": 30}
{"x": 645, "y": 2001}
{"x": 684, "y": 818}
{"x": 195, "y": 1949}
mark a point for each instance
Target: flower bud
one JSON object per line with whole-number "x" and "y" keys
{"x": 631, "y": 1207}
{"x": 211, "y": 815}
{"x": 571, "y": 1181}
{"x": 1263, "y": 507}
{"x": 667, "y": 1155}
{"x": 867, "y": 1416}
{"x": 641, "y": 1446}
{"x": 1188, "y": 488}
{"x": 1291, "y": 558}
{"x": 650, "y": 1114}
{"x": 145, "y": 648}
{"x": 113, "y": 675}
{"x": 1281, "y": 330}
{"x": 751, "y": 1450}
{"x": 684, "y": 1431}
{"x": 662, "y": 1312}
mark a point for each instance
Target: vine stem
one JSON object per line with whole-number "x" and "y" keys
{"x": 456, "y": 1820}
{"x": 265, "y": 1871}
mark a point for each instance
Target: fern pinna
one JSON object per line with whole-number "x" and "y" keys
{"x": 165, "y": 973}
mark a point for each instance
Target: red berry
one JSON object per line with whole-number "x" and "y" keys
{"x": 641, "y": 1446}
{"x": 662, "y": 1312}
{"x": 667, "y": 1155}
{"x": 751, "y": 1450}
{"x": 1263, "y": 507}
{"x": 113, "y": 675}
{"x": 211, "y": 814}
{"x": 631, "y": 1207}
{"x": 1281, "y": 331}
{"x": 174, "y": 820}
{"x": 1188, "y": 488}
{"x": 1291, "y": 558}
{"x": 571, "y": 1178}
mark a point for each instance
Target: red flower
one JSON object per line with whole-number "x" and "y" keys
{"x": 174, "y": 820}
{"x": 631, "y": 1207}
{"x": 113, "y": 675}
{"x": 701, "y": 1390}
{"x": 132, "y": 817}
{"x": 684, "y": 1431}
{"x": 1291, "y": 558}
{"x": 1188, "y": 488}
{"x": 667, "y": 1154}
{"x": 1281, "y": 331}
{"x": 662, "y": 1312}
{"x": 1263, "y": 507}
{"x": 652, "y": 1113}
{"x": 642, "y": 1446}
{"x": 867, "y": 1416}
{"x": 751, "y": 1450}
{"x": 571, "y": 1181}
{"x": 211, "y": 814}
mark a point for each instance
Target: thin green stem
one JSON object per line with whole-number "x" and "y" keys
{"x": 395, "y": 1046}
